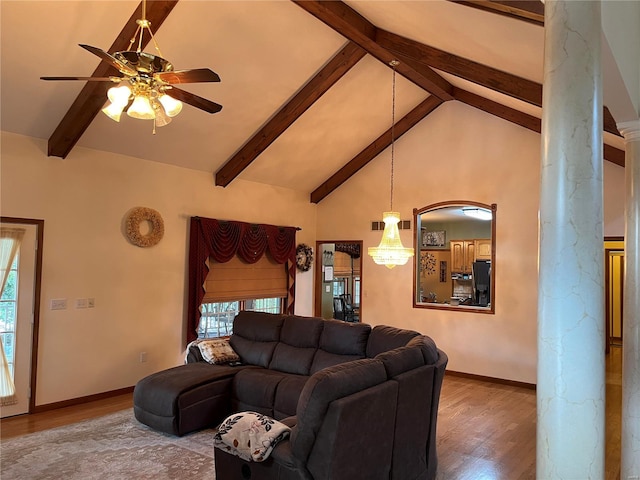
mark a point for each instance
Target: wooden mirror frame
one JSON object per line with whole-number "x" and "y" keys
{"x": 417, "y": 244}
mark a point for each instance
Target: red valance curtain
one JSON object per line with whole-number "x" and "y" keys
{"x": 222, "y": 240}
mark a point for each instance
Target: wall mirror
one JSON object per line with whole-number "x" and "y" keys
{"x": 338, "y": 280}
{"x": 454, "y": 265}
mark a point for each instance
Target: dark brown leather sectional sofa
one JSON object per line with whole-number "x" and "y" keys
{"x": 362, "y": 403}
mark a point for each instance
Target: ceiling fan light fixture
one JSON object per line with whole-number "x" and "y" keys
{"x": 162, "y": 118}
{"x": 141, "y": 108}
{"x": 171, "y": 106}
{"x": 119, "y": 98}
{"x": 119, "y": 95}
{"x": 114, "y": 111}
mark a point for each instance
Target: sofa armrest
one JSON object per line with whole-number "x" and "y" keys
{"x": 290, "y": 421}
{"x": 194, "y": 355}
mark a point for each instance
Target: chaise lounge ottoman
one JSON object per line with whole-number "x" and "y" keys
{"x": 184, "y": 398}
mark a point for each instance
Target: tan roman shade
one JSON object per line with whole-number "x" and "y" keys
{"x": 238, "y": 280}
{"x": 342, "y": 265}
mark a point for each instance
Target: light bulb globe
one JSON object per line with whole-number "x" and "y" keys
{"x": 141, "y": 108}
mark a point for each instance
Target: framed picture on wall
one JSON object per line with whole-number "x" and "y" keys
{"x": 433, "y": 239}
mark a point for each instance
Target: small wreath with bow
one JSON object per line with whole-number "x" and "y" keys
{"x": 141, "y": 214}
{"x": 304, "y": 257}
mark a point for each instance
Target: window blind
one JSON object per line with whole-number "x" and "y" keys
{"x": 239, "y": 280}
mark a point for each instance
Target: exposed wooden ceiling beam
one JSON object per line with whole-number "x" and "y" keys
{"x": 531, "y": 11}
{"x": 503, "y": 82}
{"x": 333, "y": 71}
{"x": 353, "y": 26}
{"x": 497, "y": 109}
{"x": 375, "y": 148}
{"x": 611, "y": 154}
{"x": 522, "y": 89}
{"x": 610, "y": 123}
{"x": 92, "y": 97}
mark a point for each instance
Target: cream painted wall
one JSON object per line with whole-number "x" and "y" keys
{"x": 614, "y": 198}
{"x": 139, "y": 292}
{"x": 457, "y": 153}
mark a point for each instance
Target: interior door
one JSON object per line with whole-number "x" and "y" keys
{"x": 18, "y": 315}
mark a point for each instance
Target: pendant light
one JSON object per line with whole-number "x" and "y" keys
{"x": 390, "y": 252}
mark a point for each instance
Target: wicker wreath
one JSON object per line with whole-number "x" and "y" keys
{"x": 141, "y": 214}
{"x": 304, "y": 257}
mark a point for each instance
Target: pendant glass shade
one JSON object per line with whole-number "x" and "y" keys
{"x": 113, "y": 111}
{"x": 141, "y": 108}
{"x": 390, "y": 252}
{"x": 171, "y": 106}
{"x": 119, "y": 97}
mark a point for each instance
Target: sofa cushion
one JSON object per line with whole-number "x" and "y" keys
{"x": 255, "y": 335}
{"x": 323, "y": 388}
{"x": 255, "y": 390}
{"x": 299, "y": 340}
{"x": 402, "y": 359}
{"x": 340, "y": 342}
{"x": 287, "y": 394}
{"x": 384, "y": 338}
{"x": 428, "y": 348}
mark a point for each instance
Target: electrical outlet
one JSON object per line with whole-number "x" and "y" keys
{"x": 91, "y": 302}
{"x": 81, "y": 303}
{"x": 59, "y": 304}
{"x": 143, "y": 357}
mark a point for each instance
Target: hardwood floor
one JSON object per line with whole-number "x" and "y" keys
{"x": 23, "y": 424}
{"x": 488, "y": 431}
{"x": 485, "y": 430}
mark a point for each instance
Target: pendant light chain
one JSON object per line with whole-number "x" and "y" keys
{"x": 394, "y": 64}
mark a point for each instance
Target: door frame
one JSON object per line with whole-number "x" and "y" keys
{"x": 317, "y": 288}
{"x": 37, "y": 288}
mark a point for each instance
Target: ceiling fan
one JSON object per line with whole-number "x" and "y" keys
{"x": 147, "y": 88}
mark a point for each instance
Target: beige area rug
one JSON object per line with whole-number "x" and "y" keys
{"x": 114, "y": 447}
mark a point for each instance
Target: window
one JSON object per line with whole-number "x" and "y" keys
{"x": 8, "y": 315}
{"x": 217, "y": 318}
{"x": 339, "y": 286}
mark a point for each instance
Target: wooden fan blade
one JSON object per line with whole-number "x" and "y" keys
{"x": 111, "y": 60}
{"x": 193, "y": 100}
{"x": 188, "y": 76}
{"x": 87, "y": 79}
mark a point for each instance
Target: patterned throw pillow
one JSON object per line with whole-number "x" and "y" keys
{"x": 217, "y": 351}
{"x": 250, "y": 435}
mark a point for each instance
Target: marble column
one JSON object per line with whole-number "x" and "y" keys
{"x": 630, "y": 440}
{"x": 571, "y": 382}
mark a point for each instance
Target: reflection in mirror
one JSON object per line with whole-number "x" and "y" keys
{"x": 338, "y": 280}
{"x": 455, "y": 256}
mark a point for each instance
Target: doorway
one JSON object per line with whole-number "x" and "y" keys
{"x": 19, "y": 311}
{"x": 614, "y": 296}
{"x": 338, "y": 278}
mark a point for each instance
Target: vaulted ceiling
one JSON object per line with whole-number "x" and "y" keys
{"x": 306, "y": 85}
